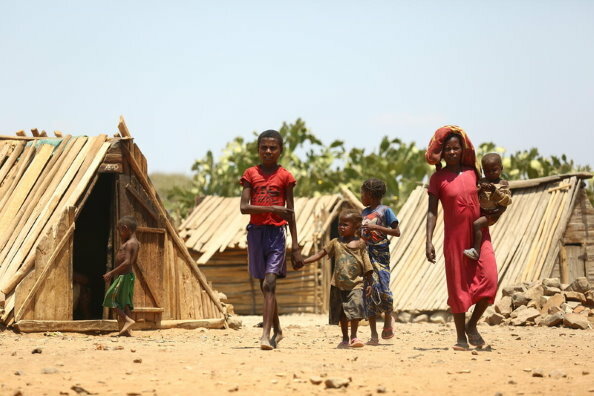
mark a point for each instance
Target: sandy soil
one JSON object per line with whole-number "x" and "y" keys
{"x": 185, "y": 362}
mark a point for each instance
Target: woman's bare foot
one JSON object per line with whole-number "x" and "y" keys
{"x": 474, "y": 337}
{"x": 126, "y": 328}
{"x": 461, "y": 346}
{"x": 472, "y": 254}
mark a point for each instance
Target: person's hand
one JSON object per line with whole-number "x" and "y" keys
{"x": 498, "y": 211}
{"x": 430, "y": 252}
{"x": 107, "y": 276}
{"x": 297, "y": 259}
{"x": 283, "y": 212}
{"x": 487, "y": 187}
{"x": 370, "y": 227}
{"x": 368, "y": 291}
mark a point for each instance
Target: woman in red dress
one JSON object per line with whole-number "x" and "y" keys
{"x": 469, "y": 282}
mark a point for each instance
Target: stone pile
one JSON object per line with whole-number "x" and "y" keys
{"x": 545, "y": 303}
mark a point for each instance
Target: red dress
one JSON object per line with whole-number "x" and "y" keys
{"x": 468, "y": 281}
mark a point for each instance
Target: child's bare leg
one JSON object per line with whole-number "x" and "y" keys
{"x": 128, "y": 321}
{"x": 388, "y": 331}
{"x": 277, "y": 332}
{"x": 477, "y": 228}
{"x": 373, "y": 328}
{"x": 474, "y": 337}
{"x": 269, "y": 291}
{"x": 344, "y": 327}
{"x": 461, "y": 341}
{"x": 354, "y": 328}
{"x": 128, "y": 332}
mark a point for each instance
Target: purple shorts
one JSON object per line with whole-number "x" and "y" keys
{"x": 266, "y": 250}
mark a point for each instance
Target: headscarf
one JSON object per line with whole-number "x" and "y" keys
{"x": 435, "y": 147}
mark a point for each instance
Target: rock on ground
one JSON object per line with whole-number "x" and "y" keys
{"x": 404, "y": 317}
{"x": 440, "y": 317}
{"x": 552, "y": 319}
{"x": 525, "y": 316}
{"x": 335, "y": 383}
{"x": 555, "y": 301}
{"x": 576, "y": 321}
{"x": 493, "y": 318}
{"x": 510, "y": 290}
{"x": 580, "y": 285}
{"x": 422, "y": 318}
{"x": 504, "y": 306}
{"x": 551, "y": 282}
{"x": 520, "y": 299}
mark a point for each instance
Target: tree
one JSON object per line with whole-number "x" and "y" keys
{"x": 322, "y": 168}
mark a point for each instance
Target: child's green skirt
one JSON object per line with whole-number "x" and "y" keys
{"x": 121, "y": 292}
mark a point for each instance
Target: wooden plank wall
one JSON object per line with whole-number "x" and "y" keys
{"x": 170, "y": 277}
{"x": 54, "y": 297}
{"x": 300, "y": 291}
{"x": 580, "y": 231}
{"x": 526, "y": 242}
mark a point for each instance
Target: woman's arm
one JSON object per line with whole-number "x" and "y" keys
{"x": 431, "y": 219}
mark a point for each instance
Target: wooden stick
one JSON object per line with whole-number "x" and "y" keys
{"x": 123, "y": 128}
{"x": 142, "y": 202}
{"x": 37, "y": 326}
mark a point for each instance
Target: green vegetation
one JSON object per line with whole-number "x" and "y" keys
{"x": 320, "y": 168}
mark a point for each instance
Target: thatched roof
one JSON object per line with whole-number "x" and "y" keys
{"x": 216, "y": 224}
{"x": 526, "y": 240}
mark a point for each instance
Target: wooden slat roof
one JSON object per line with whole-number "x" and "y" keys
{"x": 216, "y": 224}
{"x": 525, "y": 239}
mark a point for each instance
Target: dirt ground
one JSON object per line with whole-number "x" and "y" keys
{"x": 187, "y": 362}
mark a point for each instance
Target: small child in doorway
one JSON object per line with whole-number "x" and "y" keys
{"x": 379, "y": 221}
{"x": 120, "y": 295}
{"x": 351, "y": 266}
{"x": 494, "y": 197}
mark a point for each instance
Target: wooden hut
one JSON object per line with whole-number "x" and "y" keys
{"x": 215, "y": 234}
{"x": 60, "y": 200}
{"x": 548, "y": 231}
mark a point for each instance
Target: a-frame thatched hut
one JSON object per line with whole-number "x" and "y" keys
{"x": 548, "y": 231}
{"x": 60, "y": 200}
{"x": 215, "y": 233}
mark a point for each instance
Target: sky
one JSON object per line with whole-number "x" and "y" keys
{"x": 190, "y": 76}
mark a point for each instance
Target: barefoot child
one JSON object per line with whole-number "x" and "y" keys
{"x": 351, "y": 265}
{"x": 266, "y": 189}
{"x": 120, "y": 295}
{"x": 379, "y": 221}
{"x": 494, "y": 197}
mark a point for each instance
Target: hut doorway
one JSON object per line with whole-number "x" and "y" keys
{"x": 93, "y": 253}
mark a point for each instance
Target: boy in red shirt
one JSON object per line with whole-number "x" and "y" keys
{"x": 267, "y": 188}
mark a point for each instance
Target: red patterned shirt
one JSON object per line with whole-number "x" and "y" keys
{"x": 267, "y": 190}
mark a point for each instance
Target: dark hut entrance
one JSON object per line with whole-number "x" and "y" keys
{"x": 93, "y": 252}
